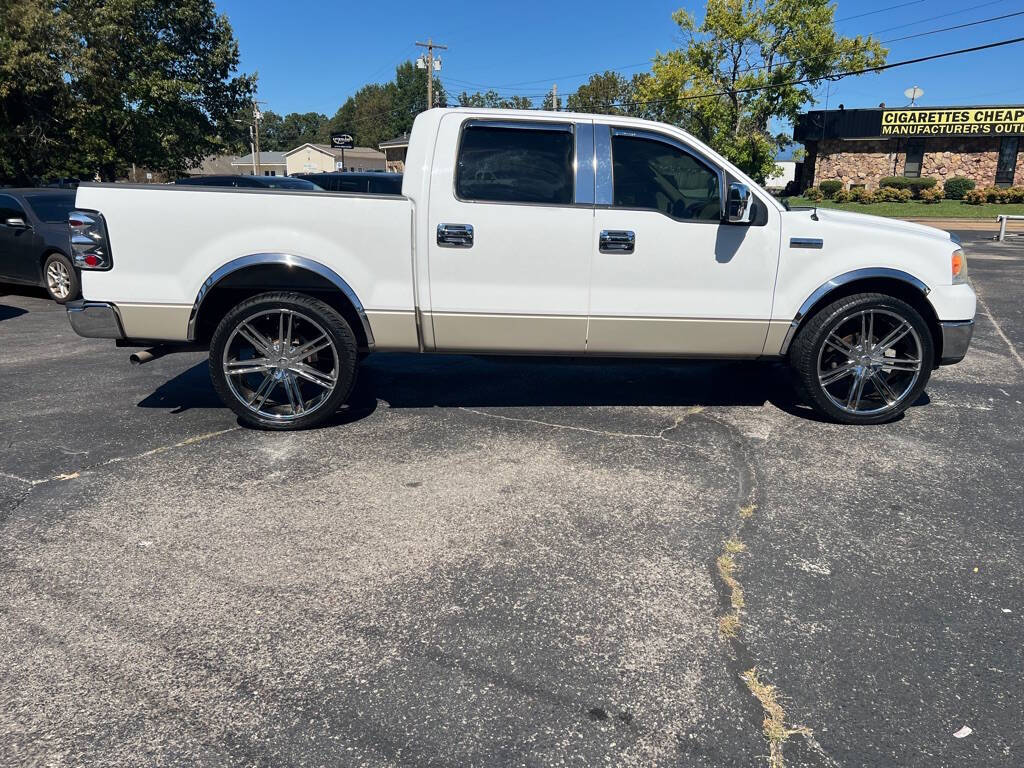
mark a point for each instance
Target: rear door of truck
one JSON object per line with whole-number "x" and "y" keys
{"x": 509, "y": 234}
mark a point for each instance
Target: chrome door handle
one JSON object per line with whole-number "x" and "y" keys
{"x": 455, "y": 235}
{"x": 617, "y": 241}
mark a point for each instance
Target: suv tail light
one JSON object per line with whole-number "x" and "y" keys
{"x": 89, "y": 245}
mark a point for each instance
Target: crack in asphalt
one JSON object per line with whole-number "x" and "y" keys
{"x": 774, "y": 728}
{"x": 118, "y": 459}
{"x": 572, "y": 428}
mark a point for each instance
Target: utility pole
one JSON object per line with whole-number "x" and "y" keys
{"x": 430, "y": 45}
{"x": 554, "y": 96}
{"x": 256, "y": 138}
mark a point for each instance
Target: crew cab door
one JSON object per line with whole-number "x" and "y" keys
{"x": 669, "y": 277}
{"x": 508, "y": 236}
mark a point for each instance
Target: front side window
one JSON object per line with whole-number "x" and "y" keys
{"x": 915, "y": 156}
{"x": 653, "y": 175}
{"x": 515, "y": 165}
{"x": 10, "y": 209}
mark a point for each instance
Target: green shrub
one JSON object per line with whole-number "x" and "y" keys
{"x": 829, "y": 187}
{"x": 992, "y": 194}
{"x": 842, "y": 196}
{"x": 892, "y": 195}
{"x": 1012, "y": 195}
{"x": 813, "y": 193}
{"x": 957, "y": 187}
{"x": 974, "y": 196}
{"x": 914, "y": 185}
{"x": 862, "y": 195}
{"x": 932, "y": 195}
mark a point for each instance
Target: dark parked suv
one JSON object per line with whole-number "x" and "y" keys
{"x": 250, "y": 182}
{"x": 35, "y": 246}
{"x": 367, "y": 183}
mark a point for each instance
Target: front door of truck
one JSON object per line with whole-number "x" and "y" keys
{"x": 669, "y": 277}
{"x": 509, "y": 236}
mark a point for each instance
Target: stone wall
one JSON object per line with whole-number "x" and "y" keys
{"x": 867, "y": 162}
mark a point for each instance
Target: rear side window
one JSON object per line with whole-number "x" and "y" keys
{"x": 385, "y": 186}
{"x": 515, "y": 165}
{"x": 658, "y": 176}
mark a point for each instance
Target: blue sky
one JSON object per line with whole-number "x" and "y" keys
{"x": 310, "y": 56}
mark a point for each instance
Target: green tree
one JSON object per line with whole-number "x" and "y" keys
{"x": 294, "y": 129}
{"x": 493, "y": 100}
{"x": 551, "y": 103}
{"x": 153, "y": 83}
{"x": 378, "y": 112}
{"x": 734, "y": 73}
{"x": 602, "y": 94}
{"x": 36, "y": 52}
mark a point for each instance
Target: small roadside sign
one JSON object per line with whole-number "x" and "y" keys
{"x": 342, "y": 141}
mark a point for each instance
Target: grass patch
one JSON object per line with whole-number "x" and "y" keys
{"x": 774, "y": 726}
{"x": 726, "y": 564}
{"x": 748, "y": 511}
{"x": 729, "y": 625}
{"x": 915, "y": 209}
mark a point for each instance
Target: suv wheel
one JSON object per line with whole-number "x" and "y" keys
{"x": 283, "y": 361}
{"x": 60, "y": 278}
{"x": 863, "y": 359}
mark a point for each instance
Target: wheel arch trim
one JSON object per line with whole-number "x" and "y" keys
{"x": 281, "y": 259}
{"x": 839, "y": 281}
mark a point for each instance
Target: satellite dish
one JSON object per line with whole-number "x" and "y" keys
{"x": 913, "y": 93}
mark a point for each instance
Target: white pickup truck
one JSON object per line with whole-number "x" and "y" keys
{"x": 542, "y": 233}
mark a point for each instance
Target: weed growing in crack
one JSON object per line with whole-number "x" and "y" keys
{"x": 775, "y": 728}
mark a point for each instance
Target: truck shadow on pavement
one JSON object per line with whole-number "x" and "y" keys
{"x": 451, "y": 381}
{"x": 7, "y": 312}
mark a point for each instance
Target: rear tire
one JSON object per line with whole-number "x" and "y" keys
{"x": 863, "y": 359}
{"x": 60, "y": 279}
{"x": 283, "y": 361}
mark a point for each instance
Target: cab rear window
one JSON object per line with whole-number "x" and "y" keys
{"x": 509, "y": 164}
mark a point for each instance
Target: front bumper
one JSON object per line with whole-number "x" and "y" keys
{"x": 956, "y": 338}
{"x": 95, "y": 319}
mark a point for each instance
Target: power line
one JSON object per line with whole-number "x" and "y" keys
{"x": 880, "y": 10}
{"x": 834, "y": 76}
{"x": 790, "y": 61}
{"x": 648, "y": 62}
{"x": 936, "y": 18}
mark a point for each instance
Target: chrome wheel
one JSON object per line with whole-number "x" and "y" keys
{"x": 280, "y": 364}
{"x": 869, "y": 361}
{"x": 58, "y": 280}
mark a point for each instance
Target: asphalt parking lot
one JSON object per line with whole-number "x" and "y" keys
{"x": 510, "y": 562}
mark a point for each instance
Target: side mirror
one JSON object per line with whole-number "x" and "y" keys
{"x": 16, "y": 222}
{"x": 738, "y": 208}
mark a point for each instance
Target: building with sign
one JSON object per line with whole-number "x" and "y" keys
{"x": 320, "y": 158}
{"x": 862, "y": 146}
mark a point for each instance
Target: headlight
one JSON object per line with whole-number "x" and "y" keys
{"x": 89, "y": 245}
{"x": 959, "y": 267}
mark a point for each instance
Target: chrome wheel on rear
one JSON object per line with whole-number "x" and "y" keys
{"x": 869, "y": 362}
{"x": 280, "y": 364}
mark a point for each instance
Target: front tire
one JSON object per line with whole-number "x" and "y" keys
{"x": 283, "y": 361}
{"x": 60, "y": 279}
{"x": 863, "y": 359}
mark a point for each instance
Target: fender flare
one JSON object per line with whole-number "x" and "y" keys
{"x": 284, "y": 259}
{"x": 840, "y": 280}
